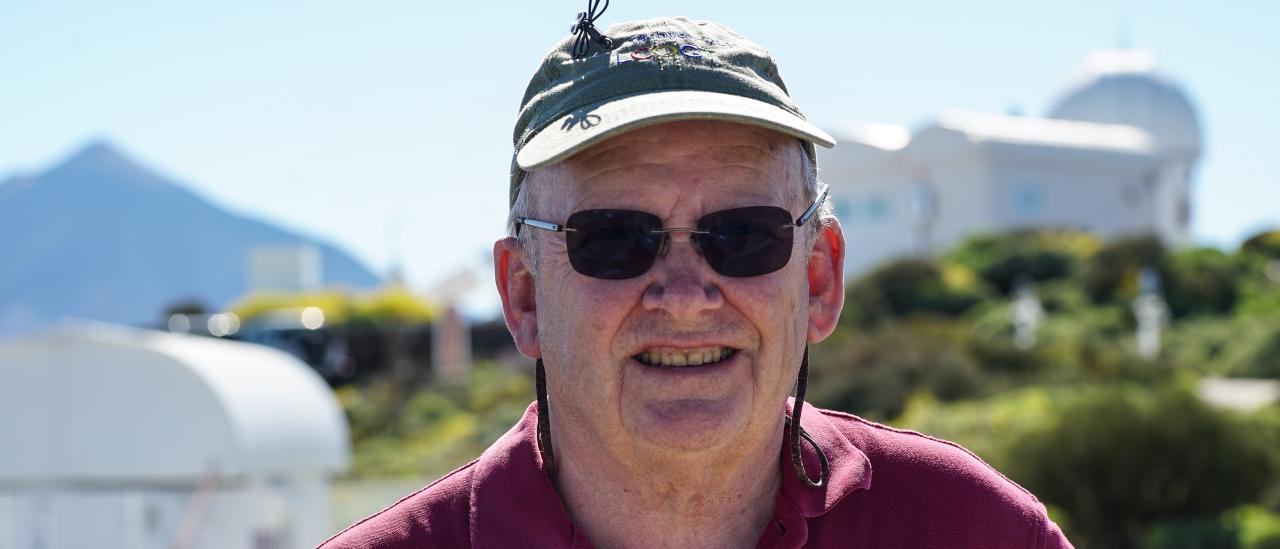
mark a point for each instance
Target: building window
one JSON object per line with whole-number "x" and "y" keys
{"x": 1028, "y": 198}
{"x": 924, "y": 204}
{"x": 869, "y": 209}
{"x": 878, "y": 208}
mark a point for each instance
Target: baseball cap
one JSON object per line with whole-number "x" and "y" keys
{"x": 651, "y": 71}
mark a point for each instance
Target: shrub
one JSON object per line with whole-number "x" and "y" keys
{"x": 1122, "y": 462}
{"x": 1245, "y": 346}
{"x": 1265, "y": 244}
{"x": 389, "y": 305}
{"x": 1001, "y": 260}
{"x": 1201, "y": 281}
{"x": 985, "y": 427}
{"x": 1111, "y": 275}
{"x": 1207, "y": 532}
{"x": 398, "y": 430}
{"x": 903, "y": 288}
{"x": 874, "y": 372}
{"x": 1259, "y": 528}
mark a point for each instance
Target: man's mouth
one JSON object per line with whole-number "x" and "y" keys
{"x": 668, "y": 357}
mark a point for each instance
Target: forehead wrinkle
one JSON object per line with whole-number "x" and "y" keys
{"x": 742, "y": 152}
{"x": 752, "y": 161}
{"x": 707, "y": 133}
{"x": 593, "y": 155}
{"x": 723, "y": 153}
{"x": 590, "y": 187}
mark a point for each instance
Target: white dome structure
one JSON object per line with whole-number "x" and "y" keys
{"x": 1116, "y": 156}
{"x": 1123, "y": 87}
{"x": 117, "y": 437}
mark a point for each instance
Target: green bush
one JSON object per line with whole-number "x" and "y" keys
{"x": 985, "y": 427}
{"x": 1111, "y": 275}
{"x": 1258, "y": 267}
{"x": 1092, "y": 344}
{"x": 1263, "y": 358}
{"x": 1265, "y": 244}
{"x": 1259, "y": 528}
{"x": 1124, "y": 465}
{"x": 1002, "y": 260}
{"x": 1121, "y": 463}
{"x": 1246, "y": 346}
{"x": 386, "y": 306}
{"x": 1207, "y": 532}
{"x": 873, "y": 372}
{"x": 398, "y": 430}
{"x": 904, "y": 288}
{"x": 1201, "y": 281}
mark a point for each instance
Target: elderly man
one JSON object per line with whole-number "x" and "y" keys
{"x": 672, "y": 256}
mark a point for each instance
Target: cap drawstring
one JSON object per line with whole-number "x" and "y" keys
{"x": 544, "y": 420}
{"x": 584, "y": 30}
{"x": 795, "y": 431}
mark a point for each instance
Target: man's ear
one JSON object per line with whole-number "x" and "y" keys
{"x": 826, "y": 280}
{"x": 515, "y": 285}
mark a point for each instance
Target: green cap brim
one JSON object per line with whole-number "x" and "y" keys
{"x": 592, "y": 124}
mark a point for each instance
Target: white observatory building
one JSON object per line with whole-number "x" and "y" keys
{"x": 1115, "y": 156}
{"x": 116, "y": 438}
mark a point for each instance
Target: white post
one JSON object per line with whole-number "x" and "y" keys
{"x": 1027, "y": 314}
{"x": 1152, "y": 314}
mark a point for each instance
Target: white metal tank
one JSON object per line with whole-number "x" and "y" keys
{"x": 122, "y": 438}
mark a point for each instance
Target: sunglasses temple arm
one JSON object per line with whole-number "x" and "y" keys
{"x": 544, "y": 225}
{"x": 813, "y": 208}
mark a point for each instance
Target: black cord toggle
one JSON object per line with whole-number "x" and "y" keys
{"x": 584, "y": 30}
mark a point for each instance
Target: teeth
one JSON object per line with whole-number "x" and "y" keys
{"x": 690, "y": 357}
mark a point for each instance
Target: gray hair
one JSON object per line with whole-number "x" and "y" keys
{"x": 526, "y": 205}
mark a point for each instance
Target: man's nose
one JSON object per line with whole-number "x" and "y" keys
{"x": 683, "y": 284}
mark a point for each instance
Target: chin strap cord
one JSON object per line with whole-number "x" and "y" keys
{"x": 796, "y": 432}
{"x": 544, "y": 420}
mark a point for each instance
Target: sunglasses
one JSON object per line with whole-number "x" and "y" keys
{"x": 620, "y": 244}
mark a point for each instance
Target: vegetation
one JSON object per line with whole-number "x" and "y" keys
{"x": 1118, "y": 447}
{"x": 398, "y": 431}
{"x": 389, "y": 305}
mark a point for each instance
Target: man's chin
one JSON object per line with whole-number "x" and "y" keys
{"x": 689, "y": 424}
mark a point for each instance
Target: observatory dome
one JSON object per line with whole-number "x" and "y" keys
{"x": 1122, "y": 87}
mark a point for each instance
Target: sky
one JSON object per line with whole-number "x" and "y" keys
{"x": 385, "y": 127}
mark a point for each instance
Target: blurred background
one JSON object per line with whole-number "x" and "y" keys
{"x": 245, "y": 289}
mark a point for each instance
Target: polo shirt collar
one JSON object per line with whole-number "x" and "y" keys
{"x": 850, "y": 467}
{"x": 514, "y": 501}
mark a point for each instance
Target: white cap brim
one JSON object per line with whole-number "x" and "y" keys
{"x": 587, "y": 126}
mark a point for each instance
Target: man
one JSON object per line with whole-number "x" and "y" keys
{"x": 673, "y": 255}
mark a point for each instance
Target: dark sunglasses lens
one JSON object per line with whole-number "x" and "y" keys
{"x": 613, "y": 244}
{"x": 746, "y": 241}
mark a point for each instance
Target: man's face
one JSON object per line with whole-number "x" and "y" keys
{"x": 599, "y": 338}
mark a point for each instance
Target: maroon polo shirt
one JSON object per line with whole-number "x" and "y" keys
{"x": 924, "y": 492}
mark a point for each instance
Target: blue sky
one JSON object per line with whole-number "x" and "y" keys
{"x": 385, "y": 126}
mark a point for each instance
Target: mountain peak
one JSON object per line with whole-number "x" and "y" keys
{"x": 97, "y": 154}
{"x": 102, "y": 237}
{"x": 100, "y": 163}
